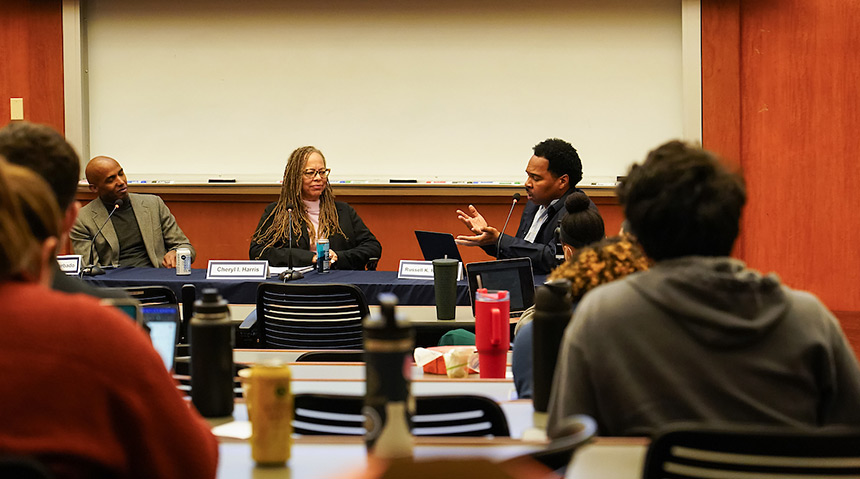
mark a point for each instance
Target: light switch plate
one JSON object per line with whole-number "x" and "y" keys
{"x": 16, "y": 105}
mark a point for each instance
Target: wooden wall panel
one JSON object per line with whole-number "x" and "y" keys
{"x": 31, "y": 49}
{"x": 220, "y": 226}
{"x": 800, "y": 117}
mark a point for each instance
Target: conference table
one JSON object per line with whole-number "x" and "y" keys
{"x": 244, "y": 291}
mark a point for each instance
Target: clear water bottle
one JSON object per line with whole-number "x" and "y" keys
{"x": 553, "y": 310}
{"x": 211, "y": 343}
{"x": 388, "y": 406}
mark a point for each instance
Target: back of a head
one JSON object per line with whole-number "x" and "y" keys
{"x": 683, "y": 202}
{"x": 562, "y": 157}
{"x": 43, "y": 150}
{"x": 27, "y": 217}
{"x": 602, "y": 262}
{"x": 582, "y": 224}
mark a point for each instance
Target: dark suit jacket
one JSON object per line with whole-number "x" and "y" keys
{"x": 542, "y": 251}
{"x": 353, "y": 251}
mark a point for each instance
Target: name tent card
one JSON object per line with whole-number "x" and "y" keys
{"x": 414, "y": 269}
{"x": 70, "y": 264}
{"x": 237, "y": 269}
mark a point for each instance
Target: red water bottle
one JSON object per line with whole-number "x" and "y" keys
{"x": 492, "y": 331}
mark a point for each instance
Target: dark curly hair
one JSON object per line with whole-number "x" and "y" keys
{"x": 41, "y": 149}
{"x": 602, "y": 262}
{"x": 683, "y": 202}
{"x": 582, "y": 224}
{"x": 563, "y": 159}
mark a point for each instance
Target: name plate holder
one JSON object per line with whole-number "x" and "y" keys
{"x": 70, "y": 264}
{"x": 414, "y": 269}
{"x": 237, "y": 269}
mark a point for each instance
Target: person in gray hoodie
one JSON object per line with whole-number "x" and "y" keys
{"x": 699, "y": 337}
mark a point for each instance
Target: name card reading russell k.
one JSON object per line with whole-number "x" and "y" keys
{"x": 414, "y": 269}
{"x": 237, "y": 269}
{"x": 70, "y": 264}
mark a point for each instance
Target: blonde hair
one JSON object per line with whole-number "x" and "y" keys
{"x": 291, "y": 195}
{"x": 607, "y": 260}
{"x": 28, "y": 215}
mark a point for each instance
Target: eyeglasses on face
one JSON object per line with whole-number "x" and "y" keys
{"x": 313, "y": 173}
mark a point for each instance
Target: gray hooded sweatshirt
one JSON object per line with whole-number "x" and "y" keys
{"x": 707, "y": 340}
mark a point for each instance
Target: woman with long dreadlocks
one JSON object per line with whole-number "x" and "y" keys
{"x": 316, "y": 215}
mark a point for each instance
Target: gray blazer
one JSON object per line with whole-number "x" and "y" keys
{"x": 157, "y": 226}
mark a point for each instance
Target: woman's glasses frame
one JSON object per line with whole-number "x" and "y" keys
{"x": 310, "y": 174}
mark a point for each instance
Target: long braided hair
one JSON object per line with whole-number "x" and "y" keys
{"x": 291, "y": 194}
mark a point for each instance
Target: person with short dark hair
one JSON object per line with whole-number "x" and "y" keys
{"x": 699, "y": 336}
{"x": 552, "y": 174}
{"x": 44, "y": 151}
{"x": 83, "y": 390}
{"x": 142, "y": 231}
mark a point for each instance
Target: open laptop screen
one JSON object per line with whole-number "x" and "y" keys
{"x": 162, "y": 323}
{"x": 513, "y": 275}
{"x": 436, "y": 245}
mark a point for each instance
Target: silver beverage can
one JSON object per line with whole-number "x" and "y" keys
{"x": 183, "y": 261}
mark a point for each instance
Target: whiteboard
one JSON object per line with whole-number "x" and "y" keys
{"x": 436, "y": 90}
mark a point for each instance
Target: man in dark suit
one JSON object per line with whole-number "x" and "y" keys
{"x": 43, "y": 150}
{"x": 553, "y": 172}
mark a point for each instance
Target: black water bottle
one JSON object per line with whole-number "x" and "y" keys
{"x": 388, "y": 343}
{"x": 553, "y": 310}
{"x": 211, "y": 342}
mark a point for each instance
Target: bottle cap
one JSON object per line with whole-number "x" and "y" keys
{"x": 211, "y": 303}
{"x": 554, "y": 296}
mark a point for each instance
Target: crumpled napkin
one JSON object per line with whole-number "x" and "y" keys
{"x": 451, "y": 360}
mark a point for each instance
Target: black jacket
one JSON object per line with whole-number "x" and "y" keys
{"x": 353, "y": 251}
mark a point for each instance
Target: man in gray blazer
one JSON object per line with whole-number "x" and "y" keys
{"x": 141, "y": 231}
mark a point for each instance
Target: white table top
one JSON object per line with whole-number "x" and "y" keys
{"x": 609, "y": 458}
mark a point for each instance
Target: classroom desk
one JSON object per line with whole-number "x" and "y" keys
{"x": 327, "y": 457}
{"x": 428, "y": 329}
{"x": 609, "y": 458}
{"x": 372, "y": 283}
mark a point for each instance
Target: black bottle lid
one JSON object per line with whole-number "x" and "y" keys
{"x": 211, "y": 303}
{"x": 554, "y": 296}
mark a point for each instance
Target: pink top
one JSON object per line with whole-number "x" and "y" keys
{"x": 313, "y": 209}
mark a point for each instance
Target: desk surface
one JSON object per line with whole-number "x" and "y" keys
{"x": 372, "y": 283}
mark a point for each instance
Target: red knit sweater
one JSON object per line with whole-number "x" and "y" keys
{"x": 83, "y": 389}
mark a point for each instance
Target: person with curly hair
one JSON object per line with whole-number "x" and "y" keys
{"x": 308, "y": 197}
{"x": 699, "y": 337}
{"x": 552, "y": 174}
{"x": 596, "y": 264}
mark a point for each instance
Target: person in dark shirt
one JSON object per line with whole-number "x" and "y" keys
{"x": 141, "y": 232}
{"x": 552, "y": 174}
{"x": 43, "y": 150}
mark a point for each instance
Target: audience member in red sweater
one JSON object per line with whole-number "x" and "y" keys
{"x": 83, "y": 390}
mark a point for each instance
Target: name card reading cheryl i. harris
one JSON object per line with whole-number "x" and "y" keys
{"x": 237, "y": 269}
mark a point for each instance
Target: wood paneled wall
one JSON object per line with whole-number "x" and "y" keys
{"x": 780, "y": 94}
{"x": 31, "y": 60}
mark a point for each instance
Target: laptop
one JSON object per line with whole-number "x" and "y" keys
{"x": 161, "y": 321}
{"x": 513, "y": 275}
{"x": 437, "y": 245}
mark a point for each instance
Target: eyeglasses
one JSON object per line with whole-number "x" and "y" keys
{"x": 313, "y": 173}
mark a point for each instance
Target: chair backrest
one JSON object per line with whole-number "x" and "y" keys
{"x": 696, "y": 451}
{"x": 310, "y": 316}
{"x": 460, "y": 415}
{"x": 341, "y": 356}
{"x": 148, "y": 295}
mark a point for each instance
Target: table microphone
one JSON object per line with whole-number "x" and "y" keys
{"x": 289, "y": 274}
{"x": 94, "y": 269}
{"x": 513, "y": 204}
